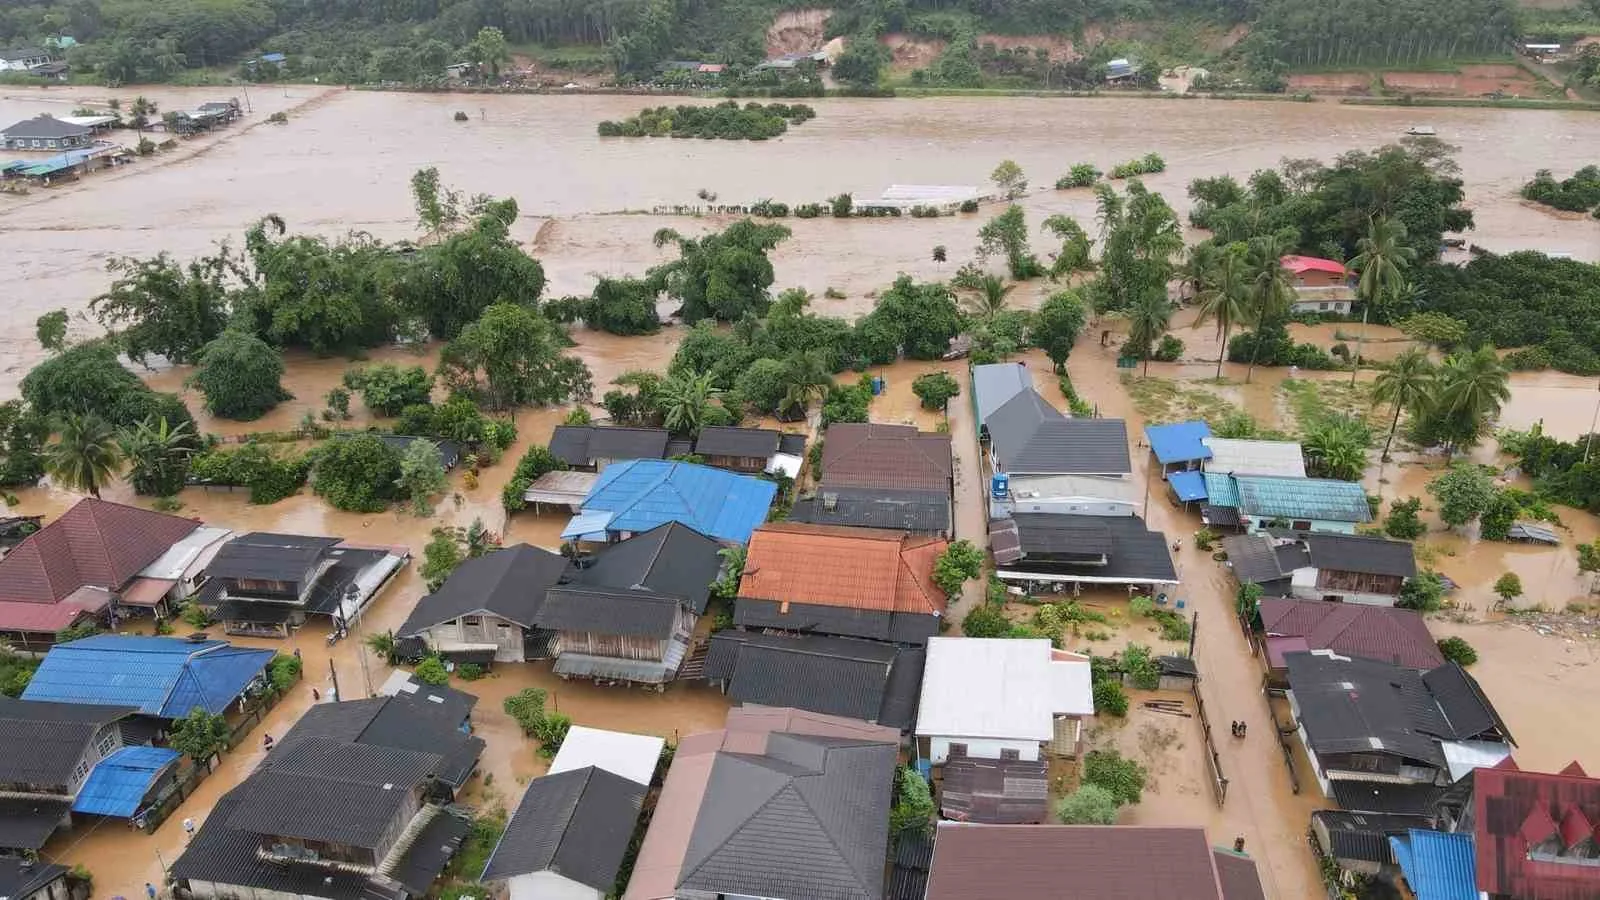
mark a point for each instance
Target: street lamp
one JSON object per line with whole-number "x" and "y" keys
{"x": 353, "y": 594}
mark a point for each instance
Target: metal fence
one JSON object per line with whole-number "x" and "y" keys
{"x": 1219, "y": 782}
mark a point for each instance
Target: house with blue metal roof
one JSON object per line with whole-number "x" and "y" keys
{"x": 162, "y": 677}
{"x": 1179, "y": 445}
{"x": 638, "y": 495}
{"x": 1436, "y": 865}
{"x": 120, "y": 783}
{"x": 1255, "y": 502}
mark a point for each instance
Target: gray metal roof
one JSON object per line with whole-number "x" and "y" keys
{"x": 44, "y": 127}
{"x": 670, "y": 560}
{"x": 399, "y": 722}
{"x": 836, "y": 676}
{"x": 1367, "y": 554}
{"x": 729, "y": 440}
{"x": 920, "y": 512}
{"x": 267, "y": 556}
{"x": 26, "y": 823}
{"x": 608, "y": 611}
{"x": 509, "y": 583}
{"x": 1365, "y": 706}
{"x": 996, "y": 791}
{"x": 580, "y": 445}
{"x": 1031, "y": 437}
{"x": 41, "y": 742}
{"x": 576, "y": 824}
{"x": 1048, "y": 544}
{"x": 994, "y": 384}
{"x": 807, "y": 819}
{"x": 1465, "y": 707}
{"x": 843, "y": 621}
{"x": 20, "y": 878}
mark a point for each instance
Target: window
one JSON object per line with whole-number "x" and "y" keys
{"x": 1301, "y": 525}
{"x": 107, "y": 742}
{"x": 472, "y": 621}
{"x": 81, "y": 772}
{"x": 1010, "y": 753}
{"x": 1322, "y": 306}
{"x": 958, "y": 750}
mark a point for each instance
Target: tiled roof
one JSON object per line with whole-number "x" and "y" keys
{"x": 576, "y": 824}
{"x": 1105, "y": 863}
{"x": 43, "y": 126}
{"x": 923, "y": 512}
{"x": 1103, "y": 549}
{"x": 21, "y": 877}
{"x": 815, "y": 618}
{"x": 578, "y": 445}
{"x": 1365, "y": 835}
{"x": 875, "y": 455}
{"x": 1466, "y": 708}
{"x": 509, "y": 583}
{"x": 858, "y": 568}
{"x": 161, "y": 676}
{"x": 640, "y": 494}
{"x": 670, "y": 560}
{"x": 26, "y": 823}
{"x": 1031, "y": 437}
{"x": 1367, "y": 554}
{"x": 398, "y": 722}
{"x": 1503, "y": 800}
{"x": 1365, "y": 706}
{"x": 96, "y": 543}
{"x": 1383, "y": 633}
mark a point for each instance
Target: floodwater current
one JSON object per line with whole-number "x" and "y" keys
{"x": 343, "y": 162}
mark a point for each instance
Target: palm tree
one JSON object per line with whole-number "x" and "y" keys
{"x": 1474, "y": 385}
{"x": 1408, "y": 383}
{"x": 1382, "y": 260}
{"x": 155, "y": 453}
{"x": 685, "y": 400}
{"x": 1200, "y": 266}
{"x": 990, "y": 299}
{"x": 84, "y": 455}
{"x": 1270, "y": 290}
{"x": 808, "y": 379}
{"x": 1148, "y": 319}
{"x": 143, "y": 111}
{"x": 1225, "y": 297}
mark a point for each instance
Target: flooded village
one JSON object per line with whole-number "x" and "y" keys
{"x": 1119, "y": 549}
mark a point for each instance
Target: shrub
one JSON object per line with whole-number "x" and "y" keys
{"x": 1458, "y": 651}
{"x": 196, "y": 616}
{"x": 1402, "y": 521}
{"x": 986, "y": 621}
{"x": 284, "y": 671}
{"x": 535, "y": 462}
{"x": 969, "y": 206}
{"x": 1080, "y": 175}
{"x": 935, "y": 389}
{"x": 913, "y": 808}
{"x": 1169, "y": 350}
{"x": 432, "y": 671}
{"x": 356, "y": 473}
{"x": 388, "y": 389}
{"x": 240, "y": 376}
{"x": 550, "y": 729}
{"x": 1140, "y": 607}
{"x": 1174, "y": 626}
{"x": 1508, "y": 586}
{"x": 469, "y": 671}
{"x": 1090, "y": 804}
{"x": 1141, "y": 667}
{"x": 1205, "y": 538}
{"x": 958, "y": 564}
{"x": 1122, "y": 778}
{"x": 1424, "y": 593}
{"x": 1110, "y": 699}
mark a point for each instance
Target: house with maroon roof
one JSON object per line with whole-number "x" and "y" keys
{"x": 1534, "y": 834}
{"x": 1320, "y": 285}
{"x": 1381, "y": 633}
{"x": 88, "y": 563}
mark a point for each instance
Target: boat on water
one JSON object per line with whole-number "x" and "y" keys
{"x": 1422, "y": 131}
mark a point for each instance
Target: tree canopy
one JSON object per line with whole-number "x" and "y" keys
{"x": 240, "y": 376}
{"x": 721, "y": 275}
{"x": 512, "y": 357}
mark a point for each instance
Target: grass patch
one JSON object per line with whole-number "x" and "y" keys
{"x": 1311, "y": 402}
{"x": 468, "y": 863}
{"x": 1162, "y": 400}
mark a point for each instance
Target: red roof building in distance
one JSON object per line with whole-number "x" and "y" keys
{"x": 1300, "y": 265}
{"x": 70, "y": 567}
{"x": 1535, "y": 834}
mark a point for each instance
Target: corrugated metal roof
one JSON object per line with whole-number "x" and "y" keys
{"x": 1178, "y": 441}
{"x": 1382, "y": 633}
{"x": 641, "y": 494}
{"x": 633, "y": 756}
{"x": 999, "y": 688}
{"x": 1437, "y": 866}
{"x": 1188, "y": 486}
{"x": 860, "y": 568}
{"x": 994, "y": 384}
{"x": 118, "y": 784}
{"x": 1292, "y": 498}
{"x": 1233, "y": 456}
{"x": 161, "y": 676}
{"x": 576, "y": 824}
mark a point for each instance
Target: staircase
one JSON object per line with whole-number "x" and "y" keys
{"x": 402, "y": 844}
{"x": 694, "y": 666}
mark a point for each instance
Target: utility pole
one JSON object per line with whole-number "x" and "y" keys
{"x": 334, "y": 674}
{"x": 1194, "y": 630}
{"x": 1355, "y": 364}
{"x": 353, "y": 593}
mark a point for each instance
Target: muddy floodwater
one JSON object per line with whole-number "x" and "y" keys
{"x": 343, "y": 163}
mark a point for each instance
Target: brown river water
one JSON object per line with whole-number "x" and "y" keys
{"x": 343, "y": 163}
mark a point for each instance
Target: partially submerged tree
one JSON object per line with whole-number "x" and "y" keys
{"x": 512, "y": 357}
{"x": 240, "y": 376}
{"x": 422, "y": 475}
{"x": 84, "y": 455}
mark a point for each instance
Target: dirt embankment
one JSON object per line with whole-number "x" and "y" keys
{"x": 797, "y": 31}
{"x": 1468, "y": 81}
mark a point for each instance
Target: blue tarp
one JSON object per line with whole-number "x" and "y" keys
{"x": 161, "y": 676}
{"x": 1438, "y": 866}
{"x": 1178, "y": 442}
{"x": 643, "y": 493}
{"x": 1189, "y": 486}
{"x": 119, "y": 783}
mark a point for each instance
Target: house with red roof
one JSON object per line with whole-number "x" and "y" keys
{"x": 1381, "y": 633}
{"x": 1534, "y": 834}
{"x": 98, "y": 556}
{"x": 1321, "y": 285}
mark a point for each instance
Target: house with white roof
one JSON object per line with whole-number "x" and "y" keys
{"x": 1000, "y": 698}
{"x": 1233, "y": 456}
{"x": 179, "y": 571}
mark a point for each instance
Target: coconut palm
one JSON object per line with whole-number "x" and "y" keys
{"x": 84, "y": 455}
{"x": 143, "y": 110}
{"x": 1382, "y": 259}
{"x": 1474, "y": 385}
{"x": 1224, "y": 296}
{"x": 157, "y": 455}
{"x": 1199, "y": 267}
{"x": 685, "y": 401}
{"x": 1270, "y": 289}
{"x": 990, "y": 298}
{"x": 1148, "y": 319}
{"x": 808, "y": 379}
{"x": 1407, "y": 384}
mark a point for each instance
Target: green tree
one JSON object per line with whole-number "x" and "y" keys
{"x": 1336, "y": 447}
{"x": 1007, "y": 235}
{"x": 1458, "y": 651}
{"x": 959, "y": 563}
{"x": 861, "y": 63}
{"x": 1508, "y": 586}
{"x": 1122, "y": 778}
{"x": 1472, "y": 387}
{"x": 199, "y": 735}
{"x": 721, "y": 275}
{"x": 51, "y": 329}
{"x": 987, "y": 620}
{"x": 421, "y": 475}
{"x": 625, "y": 306}
{"x": 1424, "y": 593}
{"x": 1057, "y": 325}
{"x": 535, "y": 462}
{"x": 158, "y": 456}
{"x": 303, "y": 291}
{"x": 1270, "y": 290}
{"x": 1110, "y": 698}
{"x": 84, "y": 455}
{"x": 432, "y": 671}
{"x": 240, "y": 376}
{"x": 1074, "y": 255}
{"x": 440, "y": 557}
{"x": 1463, "y": 492}
{"x": 686, "y": 402}
{"x": 913, "y": 808}
{"x": 1009, "y": 179}
{"x": 803, "y": 379}
{"x": 1148, "y": 319}
{"x": 511, "y": 357}
{"x": 357, "y": 473}
{"x": 488, "y": 49}
{"x": 23, "y": 433}
{"x": 387, "y": 389}
{"x": 158, "y": 307}
{"x": 1224, "y": 293}
{"x": 990, "y": 299}
{"x": 438, "y": 207}
{"x": 1382, "y": 261}
{"x": 935, "y": 389}
{"x": 449, "y": 285}
{"x": 1402, "y": 522}
{"x": 1434, "y": 328}
{"x": 87, "y": 378}
{"x": 1406, "y": 384}
{"x": 1090, "y": 804}
{"x": 1498, "y": 517}
{"x": 940, "y": 254}
{"x": 917, "y": 319}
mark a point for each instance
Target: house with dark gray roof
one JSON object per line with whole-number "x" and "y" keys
{"x": 341, "y": 809}
{"x": 912, "y": 511}
{"x": 868, "y": 680}
{"x": 1378, "y": 725}
{"x": 1315, "y": 565}
{"x": 266, "y": 585}
{"x": 433, "y": 719}
{"x": 1042, "y": 549}
{"x": 488, "y": 609}
{"x": 46, "y": 132}
{"x": 32, "y": 879}
{"x": 593, "y": 447}
{"x": 1042, "y": 461}
{"x": 628, "y": 612}
{"x": 570, "y": 833}
{"x": 48, "y": 751}
{"x": 751, "y": 450}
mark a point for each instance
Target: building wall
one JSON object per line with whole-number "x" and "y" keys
{"x": 550, "y": 886}
{"x": 1321, "y": 305}
{"x": 22, "y": 65}
{"x": 982, "y": 748}
{"x": 211, "y": 890}
{"x": 1258, "y": 524}
{"x": 1071, "y": 506}
{"x": 55, "y": 890}
{"x": 750, "y": 465}
{"x": 1314, "y": 279}
{"x": 615, "y": 646}
{"x": 66, "y": 143}
{"x": 505, "y": 636}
